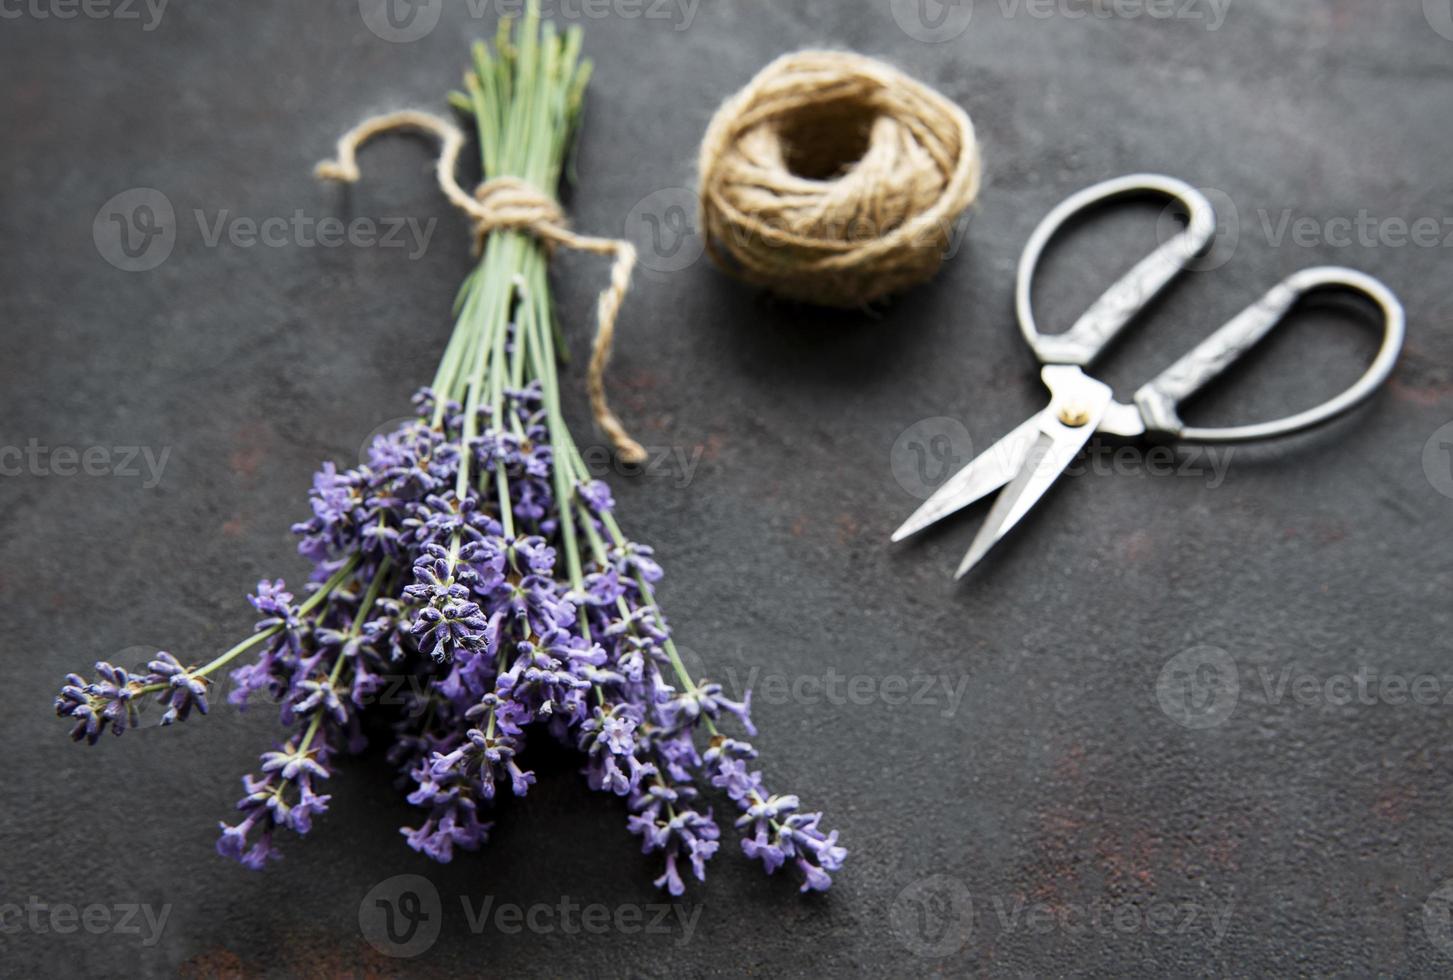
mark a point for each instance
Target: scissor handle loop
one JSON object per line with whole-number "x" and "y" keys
{"x": 1160, "y": 399}
{"x": 1082, "y": 343}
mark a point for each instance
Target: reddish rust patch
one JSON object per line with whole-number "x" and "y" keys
{"x": 1091, "y": 845}
{"x": 1393, "y": 802}
{"x": 1425, "y": 395}
{"x": 1131, "y": 860}
{"x": 251, "y": 442}
{"x": 1071, "y": 764}
{"x": 313, "y": 955}
{"x": 1138, "y": 545}
{"x": 1320, "y": 532}
{"x": 1420, "y": 379}
{"x": 244, "y": 462}
{"x": 215, "y": 964}
{"x": 637, "y": 390}
{"x": 233, "y": 527}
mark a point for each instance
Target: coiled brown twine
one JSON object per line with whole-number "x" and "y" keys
{"x": 835, "y": 179}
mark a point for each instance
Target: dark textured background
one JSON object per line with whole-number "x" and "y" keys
{"x": 1058, "y": 781}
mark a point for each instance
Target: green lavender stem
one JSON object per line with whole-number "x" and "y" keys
{"x": 307, "y": 606}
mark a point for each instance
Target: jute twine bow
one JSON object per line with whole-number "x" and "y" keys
{"x": 835, "y": 179}
{"x": 511, "y": 203}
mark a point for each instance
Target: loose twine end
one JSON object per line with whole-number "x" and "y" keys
{"x": 333, "y": 170}
{"x": 512, "y": 203}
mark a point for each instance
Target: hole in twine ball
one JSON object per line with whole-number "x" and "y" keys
{"x": 823, "y": 142}
{"x": 835, "y": 179}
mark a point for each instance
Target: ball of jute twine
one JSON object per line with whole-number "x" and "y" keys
{"x": 835, "y": 179}
{"x": 512, "y": 204}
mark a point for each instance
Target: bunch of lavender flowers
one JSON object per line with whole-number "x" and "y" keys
{"x": 474, "y": 554}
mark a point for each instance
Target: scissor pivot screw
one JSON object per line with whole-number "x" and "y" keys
{"x": 1074, "y": 416}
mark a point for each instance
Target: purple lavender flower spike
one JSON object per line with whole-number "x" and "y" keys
{"x": 596, "y": 495}
{"x": 283, "y": 796}
{"x": 609, "y": 740}
{"x": 276, "y": 605}
{"x": 110, "y": 700}
{"x": 184, "y": 690}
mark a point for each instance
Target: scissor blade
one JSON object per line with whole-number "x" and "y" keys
{"x": 1055, "y": 446}
{"x": 989, "y": 471}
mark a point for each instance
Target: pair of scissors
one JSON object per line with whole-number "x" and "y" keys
{"x": 1027, "y": 462}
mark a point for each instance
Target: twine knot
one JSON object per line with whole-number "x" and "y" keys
{"x": 514, "y": 204}
{"x": 835, "y": 179}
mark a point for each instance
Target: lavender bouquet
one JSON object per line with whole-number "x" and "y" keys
{"x": 474, "y": 556}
